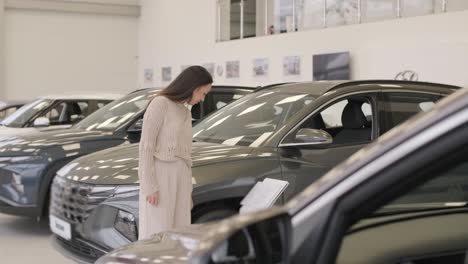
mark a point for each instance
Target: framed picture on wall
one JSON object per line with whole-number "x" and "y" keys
{"x": 166, "y": 74}
{"x": 210, "y": 67}
{"x": 292, "y": 65}
{"x": 260, "y": 67}
{"x": 331, "y": 66}
{"x": 232, "y": 69}
{"x": 148, "y": 75}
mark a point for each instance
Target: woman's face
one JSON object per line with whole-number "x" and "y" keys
{"x": 199, "y": 94}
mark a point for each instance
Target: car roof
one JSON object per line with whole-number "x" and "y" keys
{"x": 214, "y": 87}
{"x": 394, "y": 138}
{"x": 97, "y": 96}
{"x": 318, "y": 88}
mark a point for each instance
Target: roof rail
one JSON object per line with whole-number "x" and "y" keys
{"x": 272, "y": 85}
{"x": 390, "y": 81}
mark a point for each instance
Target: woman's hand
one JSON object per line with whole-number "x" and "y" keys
{"x": 153, "y": 198}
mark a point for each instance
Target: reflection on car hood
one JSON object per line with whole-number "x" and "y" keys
{"x": 34, "y": 143}
{"x": 119, "y": 165}
{"x": 177, "y": 245}
{"x": 11, "y": 132}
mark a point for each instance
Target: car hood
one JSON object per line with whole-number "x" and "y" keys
{"x": 33, "y": 143}
{"x": 119, "y": 165}
{"x": 11, "y": 132}
{"x": 194, "y": 241}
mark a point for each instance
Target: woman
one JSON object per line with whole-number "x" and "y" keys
{"x": 165, "y": 153}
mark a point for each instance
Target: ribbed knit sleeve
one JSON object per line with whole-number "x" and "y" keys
{"x": 152, "y": 123}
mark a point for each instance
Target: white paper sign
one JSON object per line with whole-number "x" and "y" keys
{"x": 263, "y": 195}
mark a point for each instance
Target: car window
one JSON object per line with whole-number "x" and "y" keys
{"x": 101, "y": 104}
{"x": 395, "y": 232}
{"x": 356, "y": 114}
{"x": 10, "y": 110}
{"x": 118, "y": 112}
{"x": 54, "y": 113}
{"x": 250, "y": 120}
{"x": 401, "y": 106}
{"x": 215, "y": 101}
{"x": 25, "y": 113}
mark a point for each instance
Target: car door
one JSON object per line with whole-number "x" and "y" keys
{"x": 350, "y": 121}
{"x": 402, "y": 207}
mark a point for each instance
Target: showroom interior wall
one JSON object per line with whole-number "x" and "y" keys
{"x": 176, "y": 33}
{"x": 57, "y": 48}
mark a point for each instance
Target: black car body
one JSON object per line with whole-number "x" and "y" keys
{"x": 276, "y": 132}
{"x": 401, "y": 200}
{"x": 29, "y": 163}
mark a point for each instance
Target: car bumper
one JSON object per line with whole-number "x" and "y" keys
{"x": 77, "y": 249}
{"x": 11, "y": 208}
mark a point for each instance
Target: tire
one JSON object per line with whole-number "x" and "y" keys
{"x": 210, "y": 214}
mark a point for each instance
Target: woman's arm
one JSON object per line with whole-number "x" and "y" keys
{"x": 152, "y": 123}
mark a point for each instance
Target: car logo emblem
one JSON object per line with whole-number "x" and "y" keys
{"x": 407, "y": 75}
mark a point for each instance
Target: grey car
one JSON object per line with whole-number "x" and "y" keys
{"x": 52, "y": 112}
{"x": 292, "y": 132}
{"x": 400, "y": 200}
{"x": 8, "y": 108}
{"x": 28, "y": 163}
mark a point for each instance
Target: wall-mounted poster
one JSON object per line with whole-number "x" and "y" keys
{"x": 210, "y": 67}
{"x": 260, "y": 67}
{"x": 291, "y": 65}
{"x": 166, "y": 74}
{"x": 220, "y": 70}
{"x": 148, "y": 75}
{"x": 331, "y": 66}
{"x": 232, "y": 69}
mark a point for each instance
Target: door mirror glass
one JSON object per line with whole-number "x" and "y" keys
{"x": 266, "y": 241}
{"x": 134, "y": 131}
{"x": 137, "y": 127}
{"x": 309, "y": 136}
{"x": 76, "y": 118}
{"x": 42, "y": 122}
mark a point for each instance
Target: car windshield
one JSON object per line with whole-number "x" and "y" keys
{"x": 250, "y": 120}
{"x": 20, "y": 117}
{"x": 118, "y": 112}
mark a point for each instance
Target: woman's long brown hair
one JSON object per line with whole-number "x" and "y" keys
{"x": 181, "y": 89}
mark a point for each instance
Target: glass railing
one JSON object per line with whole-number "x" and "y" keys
{"x": 239, "y": 19}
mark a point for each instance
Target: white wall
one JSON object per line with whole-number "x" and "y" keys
{"x": 177, "y": 32}
{"x": 64, "y": 52}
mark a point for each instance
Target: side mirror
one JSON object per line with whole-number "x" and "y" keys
{"x": 313, "y": 137}
{"x": 41, "y": 122}
{"x": 266, "y": 241}
{"x": 76, "y": 118}
{"x": 134, "y": 131}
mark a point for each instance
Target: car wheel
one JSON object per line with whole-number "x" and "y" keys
{"x": 212, "y": 214}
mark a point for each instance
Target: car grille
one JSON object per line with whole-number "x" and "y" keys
{"x": 74, "y": 201}
{"x": 83, "y": 250}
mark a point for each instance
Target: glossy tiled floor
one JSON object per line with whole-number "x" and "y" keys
{"x": 24, "y": 241}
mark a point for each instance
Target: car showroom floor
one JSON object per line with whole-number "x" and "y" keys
{"x": 23, "y": 240}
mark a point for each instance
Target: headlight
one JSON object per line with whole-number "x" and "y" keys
{"x": 67, "y": 168}
{"x": 125, "y": 223}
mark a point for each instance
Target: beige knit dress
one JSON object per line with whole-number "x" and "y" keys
{"x": 165, "y": 166}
